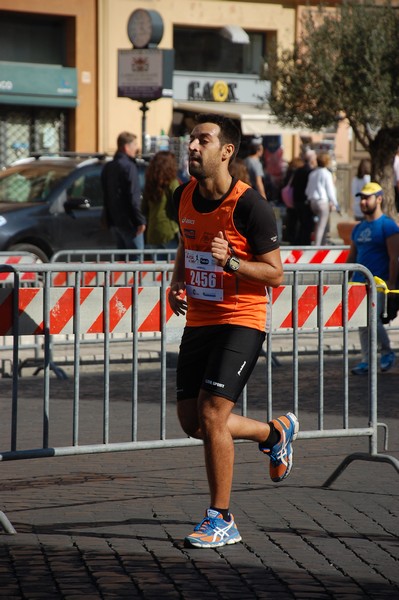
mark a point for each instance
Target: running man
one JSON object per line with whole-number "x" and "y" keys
{"x": 227, "y": 257}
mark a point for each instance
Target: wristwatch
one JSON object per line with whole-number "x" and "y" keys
{"x": 232, "y": 264}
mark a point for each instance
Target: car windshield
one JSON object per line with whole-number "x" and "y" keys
{"x": 30, "y": 183}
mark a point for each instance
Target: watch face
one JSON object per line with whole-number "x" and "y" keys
{"x": 139, "y": 28}
{"x": 234, "y": 263}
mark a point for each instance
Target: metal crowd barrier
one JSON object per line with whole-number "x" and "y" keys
{"x": 313, "y": 297}
{"x": 290, "y": 255}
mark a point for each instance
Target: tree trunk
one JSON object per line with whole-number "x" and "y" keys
{"x": 382, "y": 153}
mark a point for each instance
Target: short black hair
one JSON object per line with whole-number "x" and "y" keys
{"x": 229, "y": 132}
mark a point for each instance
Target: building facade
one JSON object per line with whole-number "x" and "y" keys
{"x": 220, "y": 48}
{"x": 60, "y": 72}
{"x": 48, "y": 77}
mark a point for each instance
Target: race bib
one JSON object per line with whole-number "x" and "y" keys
{"x": 204, "y": 277}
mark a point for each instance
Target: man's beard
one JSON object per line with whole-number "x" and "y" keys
{"x": 195, "y": 169}
{"x": 369, "y": 211}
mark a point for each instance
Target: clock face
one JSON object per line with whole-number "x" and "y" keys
{"x": 144, "y": 27}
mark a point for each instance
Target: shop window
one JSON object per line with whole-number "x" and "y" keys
{"x": 41, "y": 38}
{"x": 27, "y": 130}
{"x": 207, "y": 51}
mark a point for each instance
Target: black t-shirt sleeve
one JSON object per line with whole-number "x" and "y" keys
{"x": 254, "y": 218}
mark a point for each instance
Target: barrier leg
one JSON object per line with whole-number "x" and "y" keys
{"x": 6, "y": 524}
{"x": 361, "y": 456}
{"x": 33, "y": 362}
{"x": 385, "y": 428}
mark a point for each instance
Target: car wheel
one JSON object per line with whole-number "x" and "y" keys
{"x": 40, "y": 255}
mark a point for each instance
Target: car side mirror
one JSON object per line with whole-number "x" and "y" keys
{"x": 76, "y": 204}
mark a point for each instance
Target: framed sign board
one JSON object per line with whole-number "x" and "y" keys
{"x": 145, "y": 74}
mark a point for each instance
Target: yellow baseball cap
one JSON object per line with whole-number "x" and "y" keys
{"x": 371, "y": 189}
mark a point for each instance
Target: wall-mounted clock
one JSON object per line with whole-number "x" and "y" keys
{"x": 145, "y": 28}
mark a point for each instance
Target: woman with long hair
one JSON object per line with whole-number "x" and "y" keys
{"x": 321, "y": 194}
{"x": 157, "y": 205}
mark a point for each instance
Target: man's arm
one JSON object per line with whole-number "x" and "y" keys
{"x": 267, "y": 268}
{"x": 352, "y": 253}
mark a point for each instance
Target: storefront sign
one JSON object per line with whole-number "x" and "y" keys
{"x": 218, "y": 91}
{"x": 38, "y": 85}
{"x": 219, "y": 87}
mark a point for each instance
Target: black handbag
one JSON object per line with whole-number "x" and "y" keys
{"x": 391, "y": 308}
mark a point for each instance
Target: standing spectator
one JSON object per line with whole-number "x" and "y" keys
{"x": 320, "y": 191}
{"x": 157, "y": 205}
{"x": 362, "y": 177}
{"x": 227, "y": 257}
{"x": 291, "y": 221}
{"x": 255, "y": 167}
{"x": 122, "y": 195}
{"x": 375, "y": 244}
{"x": 303, "y": 211}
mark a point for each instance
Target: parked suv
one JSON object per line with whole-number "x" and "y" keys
{"x": 49, "y": 204}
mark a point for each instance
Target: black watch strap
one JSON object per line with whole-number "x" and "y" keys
{"x": 232, "y": 264}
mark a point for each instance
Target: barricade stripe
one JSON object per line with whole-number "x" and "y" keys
{"x": 63, "y": 310}
{"x": 26, "y": 298}
{"x": 60, "y": 278}
{"x": 7, "y": 277}
{"x": 356, "y": 296}
{"x": 88, "y": 278}
{"x": 313, "y": 256}
{"x": 290, "y": 257}
{"x": 306, "y": 305}
{"x": 319, "y": 256}
{"x": 120, "y": 303}
{"x": 151, "y": 319}
{"x": 341, "y": 257}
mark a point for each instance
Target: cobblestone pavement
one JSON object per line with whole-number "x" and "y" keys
{"x": 105, "y": 526}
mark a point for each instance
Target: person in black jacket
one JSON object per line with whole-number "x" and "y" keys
{"x": 302, "y": 208}
{"x": 122, "y": 195}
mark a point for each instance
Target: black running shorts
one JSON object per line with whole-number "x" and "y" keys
{"x": 217, "y": 358}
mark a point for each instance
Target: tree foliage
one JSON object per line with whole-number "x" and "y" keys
{"x": 345, "y": 64}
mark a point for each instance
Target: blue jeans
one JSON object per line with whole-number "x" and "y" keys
{"x": 126, "y": 241}
{"x": 382, "y": 337}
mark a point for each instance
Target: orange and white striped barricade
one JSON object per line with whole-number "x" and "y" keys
{"x": 307, "y": 255}
{"x": 11, "y": 259}
{"x": 62, "y": 307}
{"x": 93, "y": 315}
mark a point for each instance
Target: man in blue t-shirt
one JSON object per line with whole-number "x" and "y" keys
{"x": 375, "y": 244}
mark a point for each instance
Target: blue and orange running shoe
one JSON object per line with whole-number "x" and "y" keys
{"x": 281, "y": 453}
{"x": 213, "y": 532}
